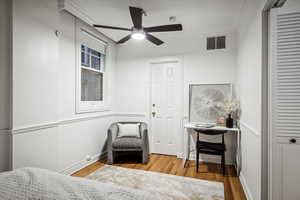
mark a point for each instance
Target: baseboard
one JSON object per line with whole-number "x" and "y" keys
{"x": 82, "y": 164}
{"x": 245, "y": 187}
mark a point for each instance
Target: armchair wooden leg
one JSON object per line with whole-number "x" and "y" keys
{"x": 145, "y": 157}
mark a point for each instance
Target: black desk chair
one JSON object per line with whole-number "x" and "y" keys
{"x": 211, "y": 148}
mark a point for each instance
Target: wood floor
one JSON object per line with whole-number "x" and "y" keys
{"x": 173, "y": 165}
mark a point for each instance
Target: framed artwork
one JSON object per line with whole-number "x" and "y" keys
{"x": 206, "y": 101}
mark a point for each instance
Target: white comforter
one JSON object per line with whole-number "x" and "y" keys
{"x": 39, "y": 184}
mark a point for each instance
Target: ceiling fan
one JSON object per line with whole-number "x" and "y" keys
{"x": 139, "y": 32}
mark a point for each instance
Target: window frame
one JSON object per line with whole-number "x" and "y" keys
{"x": 84, "y": 37}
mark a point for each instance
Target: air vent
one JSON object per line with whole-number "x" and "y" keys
{"x": 216, "y": 43}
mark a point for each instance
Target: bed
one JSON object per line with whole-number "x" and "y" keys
{"x": 41, "y": 184}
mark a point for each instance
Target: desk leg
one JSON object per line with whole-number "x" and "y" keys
{"x": 187, "y": 156}
{"x": 238, "y": 163}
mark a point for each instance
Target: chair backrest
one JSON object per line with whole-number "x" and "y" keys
{"x": 212, "y": 132}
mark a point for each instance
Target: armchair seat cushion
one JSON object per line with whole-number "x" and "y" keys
{"x": 127, "y": 143}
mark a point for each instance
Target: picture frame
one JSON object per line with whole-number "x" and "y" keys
{"x": 205, "y": 101}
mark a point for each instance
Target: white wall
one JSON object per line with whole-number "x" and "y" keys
{"x": 47, "y": 132}
{"x": 291, "y": 6}
{"x": 5, "y": 83}
{"x": 249, "y": 63}
{"x": 199, "y": 66}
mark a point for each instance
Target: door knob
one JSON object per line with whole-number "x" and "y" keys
{"x": 153, "y": 114}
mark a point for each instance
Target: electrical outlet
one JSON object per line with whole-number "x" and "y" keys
{"x": 88, "y": 158}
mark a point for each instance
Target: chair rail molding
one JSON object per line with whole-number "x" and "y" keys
{"x": 251, "y": 129}
{"x": 31, "y": 128}
{"x": 80, "y": 119}
{"x": 128, "y": 114}
{"x": 5, "y": 132}
{"x": 36, "y": 127}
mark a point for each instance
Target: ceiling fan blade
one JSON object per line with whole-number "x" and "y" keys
{"x": 125, "y": 39}
{"x": 153, "y": 39}
{"x": 136, "y": 16}
{"x": 164, "y": 28}
{"x": 112, "y": 27}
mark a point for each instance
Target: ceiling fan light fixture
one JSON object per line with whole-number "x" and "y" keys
{"x": 138, "y": 35}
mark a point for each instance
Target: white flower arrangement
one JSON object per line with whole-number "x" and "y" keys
{"x": 229, "y": 106}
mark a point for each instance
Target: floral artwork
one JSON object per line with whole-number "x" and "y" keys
{"x": 207, "y": 102}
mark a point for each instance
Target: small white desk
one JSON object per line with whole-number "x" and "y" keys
{"x": 235, "y": 130}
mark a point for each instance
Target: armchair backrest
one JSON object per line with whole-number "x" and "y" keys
{"x": 114, "y": 127}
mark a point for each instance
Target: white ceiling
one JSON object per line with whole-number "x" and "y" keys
{"x": 196, "y": 16}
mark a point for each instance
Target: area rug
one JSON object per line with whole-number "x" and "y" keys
{"x": 168, "y": 187}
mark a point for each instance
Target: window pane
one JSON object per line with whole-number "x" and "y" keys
{"x": 95, "y": 63}
{"x": 91, "y": 86}
{"x": 83, "y": 48}
{"x": 96, "y": 53}
{"x": 85, "y": 59}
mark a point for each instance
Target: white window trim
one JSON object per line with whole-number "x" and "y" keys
{"x": 89, "y": 106}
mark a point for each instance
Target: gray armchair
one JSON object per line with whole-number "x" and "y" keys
{"x": 115, "y": 144}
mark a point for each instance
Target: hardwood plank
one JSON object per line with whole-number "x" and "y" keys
{"x": 88, "y": 170}
{"x": 172, "y": 165}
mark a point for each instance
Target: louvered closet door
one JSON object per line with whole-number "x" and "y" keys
{"x": 285, "y": 104}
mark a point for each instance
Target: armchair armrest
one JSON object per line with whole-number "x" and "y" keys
{"x": 145, "y": 146}
{"x": 109, "y": 140}
{"x": 145, "y": 140}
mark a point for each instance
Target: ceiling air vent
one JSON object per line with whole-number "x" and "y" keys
{"x": 216, "y": 43}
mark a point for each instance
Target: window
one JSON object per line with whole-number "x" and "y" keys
{"x": 91, "y": 75}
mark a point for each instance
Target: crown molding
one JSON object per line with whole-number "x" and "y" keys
{"x": 72, "y": 7}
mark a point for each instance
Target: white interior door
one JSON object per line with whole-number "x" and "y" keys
{"x": 285, "y": 103}
{"x": 165, "y": 107}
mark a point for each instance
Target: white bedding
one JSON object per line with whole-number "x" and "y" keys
{"x": 40, "y": 184}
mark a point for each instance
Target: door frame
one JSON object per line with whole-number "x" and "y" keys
{"x": 160, "y": 60}
{"x": 266, "y": 112}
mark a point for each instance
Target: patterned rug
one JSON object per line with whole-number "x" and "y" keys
{"x": 169, "y": 187}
